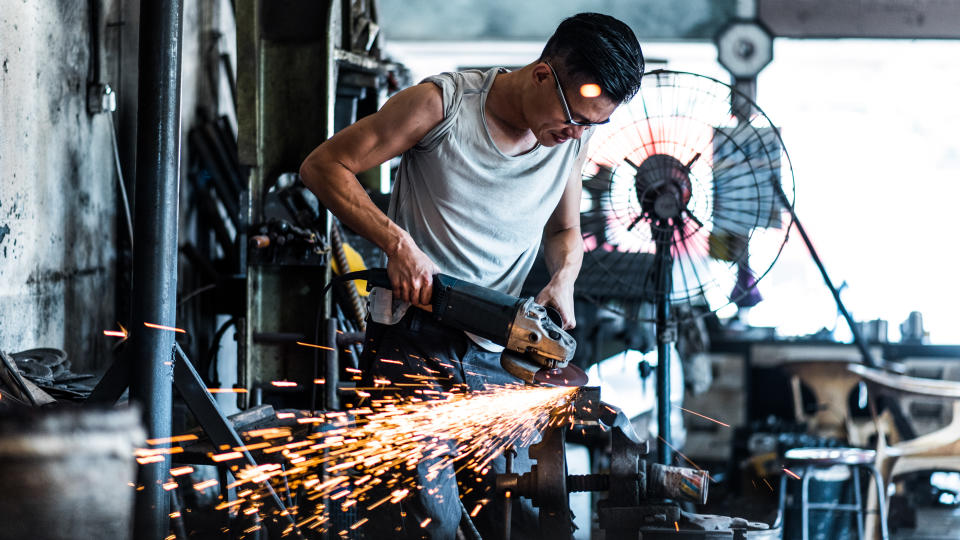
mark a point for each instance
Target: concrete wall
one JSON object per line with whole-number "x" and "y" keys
{"x": 57, "y": 186}
{"x": 58, "y": 189}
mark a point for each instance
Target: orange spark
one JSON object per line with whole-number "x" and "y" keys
{"x": 676, "y": 526}
{"x": 170, "y": 485}
{"x": 703, "y": 416}
{"x": 175, "y": 438}
{"x": 223, "y": 505}
{"x": 227, "y": 390}
{"x": 791, "y": 473}
{"x": 226, "y": 456}
{"x": 115, "y": 333}
{"x": 285, "y": 384}
{"x": 162, "y": 327}
{"x": 181, "y": 471}
{"x": 314, "y": 346}
{"x": 367, "y": 449}
{"x": 206, "y": 484}
{"x": 146, "y": 452}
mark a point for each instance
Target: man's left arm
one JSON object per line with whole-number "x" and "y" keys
{"x": 563, "y": 248}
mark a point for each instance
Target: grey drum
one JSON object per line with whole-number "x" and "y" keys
{"x": 68, "y": 473}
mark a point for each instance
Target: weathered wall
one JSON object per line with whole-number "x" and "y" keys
{"x": 58, "y": 189}
{"x": 57, "y": 186}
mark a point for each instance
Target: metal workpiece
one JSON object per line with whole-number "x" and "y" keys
{"x": 546, "y": 485}
{"x": 639, "y": 493}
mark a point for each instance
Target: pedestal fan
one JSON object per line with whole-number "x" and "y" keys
{"x": 687, "y": 198}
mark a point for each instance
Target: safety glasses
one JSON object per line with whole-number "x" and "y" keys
{"x": 566, "y": 107}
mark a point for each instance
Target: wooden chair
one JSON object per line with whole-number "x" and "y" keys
{"x": 937, "y": 450}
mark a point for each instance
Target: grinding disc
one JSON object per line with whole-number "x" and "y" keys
{"x": 533, "y": 373}
{"x": 566, "y": 376}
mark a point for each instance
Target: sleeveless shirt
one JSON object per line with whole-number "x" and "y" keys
{"x": 475, "y": 211}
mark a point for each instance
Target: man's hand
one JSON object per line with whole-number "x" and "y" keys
{"x": 558, "y": 294}
{"x": 411, "y": 273}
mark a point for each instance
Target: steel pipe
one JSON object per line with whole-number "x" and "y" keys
{"x": 151, "y": 351}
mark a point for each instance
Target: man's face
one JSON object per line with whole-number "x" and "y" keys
{"x": 570, "y": 113}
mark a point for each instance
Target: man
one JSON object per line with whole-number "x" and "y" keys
{"x": 490, "y": 169}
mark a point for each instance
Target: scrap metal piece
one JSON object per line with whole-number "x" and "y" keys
{"x": 12, "y": 378}
{"x": 712, "y": 522}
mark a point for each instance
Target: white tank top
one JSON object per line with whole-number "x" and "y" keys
{"x": 475, "y": 211}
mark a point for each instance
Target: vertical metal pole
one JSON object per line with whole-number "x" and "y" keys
{"x": 331, "y": 369}
{"x": 151, "y": 351}
{"x": 663, "y": 231}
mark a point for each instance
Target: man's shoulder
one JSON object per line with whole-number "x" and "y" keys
{"x": 465, "y": 80}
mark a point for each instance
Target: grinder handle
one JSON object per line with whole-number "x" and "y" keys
{"x": 376, "y": 277}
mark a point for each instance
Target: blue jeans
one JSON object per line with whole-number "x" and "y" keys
{"x": 428, "y": 348}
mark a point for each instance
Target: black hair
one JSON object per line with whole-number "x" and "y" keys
{"x": 598, "y": 47}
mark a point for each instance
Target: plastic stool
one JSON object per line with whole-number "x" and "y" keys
{"x": 856, "y": 459}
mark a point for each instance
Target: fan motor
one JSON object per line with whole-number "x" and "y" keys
{"x": 663, "y": 186}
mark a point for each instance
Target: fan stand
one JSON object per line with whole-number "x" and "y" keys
{"x": 666, "y": 334}
{"x": 663, "y": 189}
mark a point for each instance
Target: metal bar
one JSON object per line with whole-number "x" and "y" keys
{"x": 508, "y": 454}
{"x": 663, "y": 233}
{"x": 881, "y": 502}
{"x": 217, "y": 426}
{"x": 857, "y": 338}
{"x": 155, "y": 247}
{"x": 331, "y": 367}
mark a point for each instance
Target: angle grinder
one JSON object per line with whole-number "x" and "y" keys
{"x": 538, "y": 350}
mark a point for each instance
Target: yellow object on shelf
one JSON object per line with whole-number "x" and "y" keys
{"x": 354, "y": 263}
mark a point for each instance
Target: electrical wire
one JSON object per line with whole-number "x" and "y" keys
{"x": 214, "y": 378}
{"x": 123, "y": 188}
{"x": 195, "y": 292}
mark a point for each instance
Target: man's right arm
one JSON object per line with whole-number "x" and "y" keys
{"x": 330, "y": 171}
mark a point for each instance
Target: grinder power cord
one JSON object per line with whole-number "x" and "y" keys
{"x": 538, "y": 350}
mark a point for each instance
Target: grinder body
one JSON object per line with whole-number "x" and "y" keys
{"x": 534, "y": 341}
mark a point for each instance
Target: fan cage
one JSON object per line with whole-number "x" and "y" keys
{"x": 681, "y": 143}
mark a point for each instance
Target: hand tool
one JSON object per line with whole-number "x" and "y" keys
{"x": 538, "y": 350}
